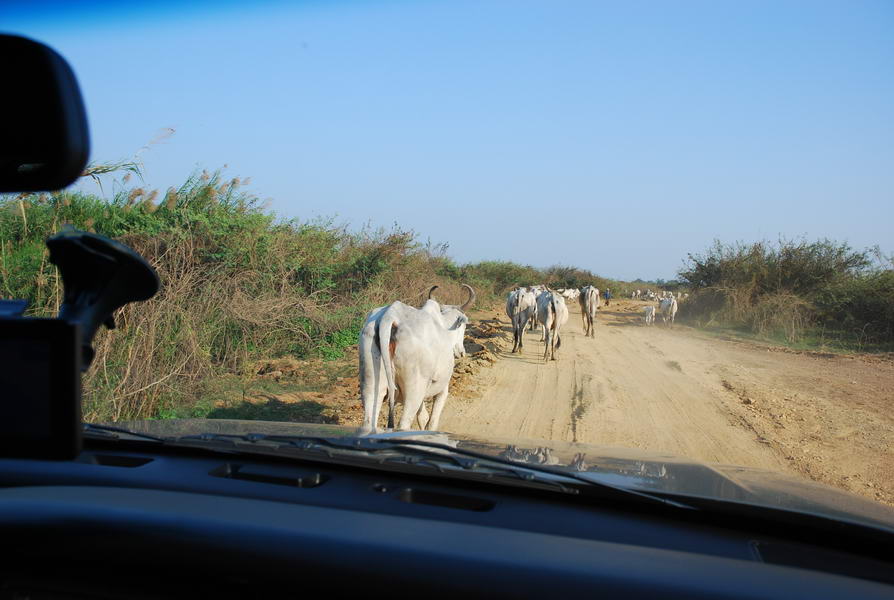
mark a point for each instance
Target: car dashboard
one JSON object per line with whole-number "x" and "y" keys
{"x": 163, "y": 524}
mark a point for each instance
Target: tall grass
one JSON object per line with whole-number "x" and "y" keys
{"x": 791, "y": 289}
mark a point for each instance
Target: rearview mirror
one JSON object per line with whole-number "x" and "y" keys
{"x": 44, "y": 144}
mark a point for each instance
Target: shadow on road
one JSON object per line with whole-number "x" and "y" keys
{"x": 532, "y": 353}
{"x": 623, "y": 318}
{"x": 271, "y": 408}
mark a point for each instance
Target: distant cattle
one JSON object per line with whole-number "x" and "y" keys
{"x": 668, "y": 309}
{"x": 553, "y": 314}
{"x": 589, "y": 302}
{"x": 521, "y": 305}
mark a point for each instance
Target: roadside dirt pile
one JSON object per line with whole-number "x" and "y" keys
{"x": 486, "y": 339}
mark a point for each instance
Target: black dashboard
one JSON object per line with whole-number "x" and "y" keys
{"x": 157, "y": 524}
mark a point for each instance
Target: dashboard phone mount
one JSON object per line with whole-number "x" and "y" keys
{"x": 100, "y": 276}
{"x": 41, "y": 360}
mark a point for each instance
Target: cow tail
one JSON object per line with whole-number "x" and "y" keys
{"x": 387, "y": 346}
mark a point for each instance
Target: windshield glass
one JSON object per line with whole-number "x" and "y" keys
{"x": 659, "y": 231}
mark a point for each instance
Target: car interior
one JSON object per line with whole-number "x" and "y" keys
{"x": 98, "y": 512}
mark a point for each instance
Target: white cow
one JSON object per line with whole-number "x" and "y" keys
{"x": 512, "y": 303}
{"x": 521, "y": 305}
{"x": 589, "y": 302}
{"x": 540, "y": 294}
{"x": 668, "y": 308}
{"x": 410, "y": 353}
{"x": 649, "y": 315}
{"x": 553, "y": 314}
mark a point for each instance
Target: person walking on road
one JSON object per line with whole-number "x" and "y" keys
{"x": 608, "y": 296}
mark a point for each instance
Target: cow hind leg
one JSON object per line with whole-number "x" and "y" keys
{"x": 422, "y": 416}
{"x": 412, "y": 397}
{"x": 372, "y": 393}
{"x": 437, "y": 407}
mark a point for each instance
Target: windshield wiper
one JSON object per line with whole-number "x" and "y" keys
{"x": 445, "y": 458}
{"x": 342, "y": 449}
{"x": 107, "y": 432}
{"x": 608, "y": 490}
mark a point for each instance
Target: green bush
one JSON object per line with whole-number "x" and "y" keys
{"x": 863, "y": 304}
{"x": 790, "y": 288}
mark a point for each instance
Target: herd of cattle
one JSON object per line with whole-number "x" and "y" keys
{"x": 526, "y": 306}
{"x": 650, "y": 295}
{"x": 407, "y": 354}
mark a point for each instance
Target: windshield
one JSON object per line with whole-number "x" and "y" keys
{"x": 662, "y": 231}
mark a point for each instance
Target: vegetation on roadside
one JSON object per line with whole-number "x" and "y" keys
{"x": 820, "y": 293}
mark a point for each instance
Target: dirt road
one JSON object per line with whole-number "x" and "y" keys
{"x": 680, "y": 391}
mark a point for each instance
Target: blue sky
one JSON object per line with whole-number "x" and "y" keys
{"x": 613, "y": 136}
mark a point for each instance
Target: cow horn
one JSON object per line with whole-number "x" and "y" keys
{"x": 432, "y": 291}
{"x": 471, "y": 299}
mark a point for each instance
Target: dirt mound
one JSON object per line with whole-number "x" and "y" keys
{"x": 279, "y": 368}
{"x": 486, "y": 338}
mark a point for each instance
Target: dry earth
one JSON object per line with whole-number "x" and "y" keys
{"x": 664, "y": 389}
{"x": 678, "y": 390}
